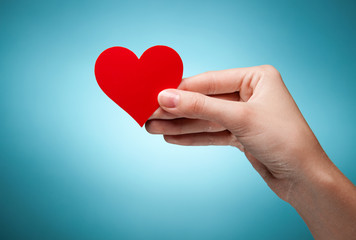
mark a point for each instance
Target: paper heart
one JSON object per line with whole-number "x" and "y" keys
{"x": 134, "y": 83}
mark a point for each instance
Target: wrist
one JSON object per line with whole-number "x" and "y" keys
{"x": 325, "y": 199}
{"x": 317, "y": 175}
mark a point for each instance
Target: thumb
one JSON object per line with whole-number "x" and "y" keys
{"x": 230, "y": 114}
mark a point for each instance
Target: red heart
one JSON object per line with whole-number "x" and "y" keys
{"x": 134, "y": 83}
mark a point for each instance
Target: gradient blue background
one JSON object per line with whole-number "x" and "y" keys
{"x": 75, "y": 166}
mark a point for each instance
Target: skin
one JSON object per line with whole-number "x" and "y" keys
{"x": 251, "y": 109}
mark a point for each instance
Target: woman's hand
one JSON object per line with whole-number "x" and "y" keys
{"x": 251, "y": 108}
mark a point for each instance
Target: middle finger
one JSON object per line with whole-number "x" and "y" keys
{"x": 182, "y": 126}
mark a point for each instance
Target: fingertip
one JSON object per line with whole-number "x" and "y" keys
{"x": 170, "y": 139}
{"x": 147, "y": 125}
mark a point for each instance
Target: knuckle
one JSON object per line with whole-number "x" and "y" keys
{"x": 177, "y": 126}
{"x": 242, "y": 119}
{"x": 245, "y": 113}
{"x": 211, "y": 86}
{"x": 197, "y": 105}
{"x": 269, "y": 69}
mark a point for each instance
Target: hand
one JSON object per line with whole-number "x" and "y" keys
{"x": 251, "y": 108}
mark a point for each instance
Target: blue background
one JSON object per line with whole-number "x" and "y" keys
{"x": 75, "y": 166}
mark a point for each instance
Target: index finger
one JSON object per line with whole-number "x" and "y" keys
{"x": 219, "y": 82}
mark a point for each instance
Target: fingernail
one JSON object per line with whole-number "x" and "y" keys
{"x": 168, "y": 98}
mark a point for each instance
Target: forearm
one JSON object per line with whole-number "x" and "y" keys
{"x": 326, "y": 200}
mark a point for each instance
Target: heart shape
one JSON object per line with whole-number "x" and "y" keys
{"x": 134, "y": 83}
